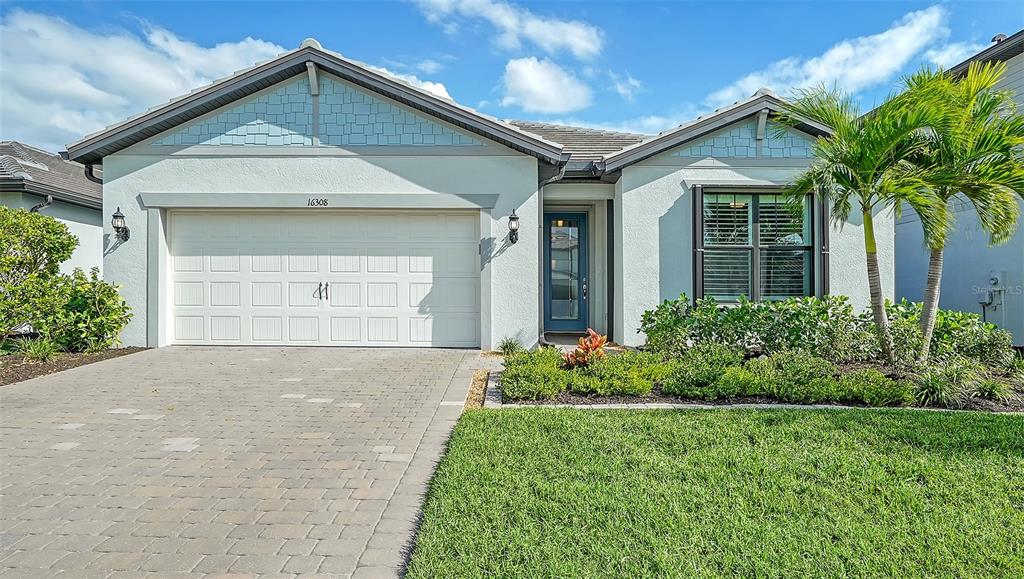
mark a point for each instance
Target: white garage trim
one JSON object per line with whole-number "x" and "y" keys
{"x": 333, "y": 200}
{"x": 396, "y": 278}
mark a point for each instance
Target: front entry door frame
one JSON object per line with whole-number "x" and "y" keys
{"x": 581, "y": 323}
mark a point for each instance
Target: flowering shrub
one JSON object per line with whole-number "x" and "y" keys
{"x": 588, "y": 349}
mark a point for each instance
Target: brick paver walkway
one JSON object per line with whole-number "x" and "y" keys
{"x": 224, "y": 461}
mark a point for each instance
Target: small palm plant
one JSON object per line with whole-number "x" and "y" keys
{"x": 864, "y": 168}
{"x": 973, "y": 154}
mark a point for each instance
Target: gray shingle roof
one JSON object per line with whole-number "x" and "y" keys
{"x": 583, "y": 143}
{"x": 27, "y": 168}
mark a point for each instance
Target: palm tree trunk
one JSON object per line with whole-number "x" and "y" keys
{"x": 875, "y": 287}
{"x": 931, "y": 302}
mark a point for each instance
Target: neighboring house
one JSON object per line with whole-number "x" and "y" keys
{"x": 29, "y": 175}
{"x": 311, "y": 200}
{"x": 978, "y": 277}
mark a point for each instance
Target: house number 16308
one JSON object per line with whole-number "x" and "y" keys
{"x": 316, "y": 202}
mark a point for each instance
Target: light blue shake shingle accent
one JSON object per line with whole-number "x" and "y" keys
{"x": 353, "y": 117}
{"x": 791, "y": 145}
{"x": 735, "y": 141}
{"x": 740, "y": 140}
{"x": 281, "y": 117}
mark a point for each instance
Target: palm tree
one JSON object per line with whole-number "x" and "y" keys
{"x": 973, "y": 154}
{"x": 864, "y": 166}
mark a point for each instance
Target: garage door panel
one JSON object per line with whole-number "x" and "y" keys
{"x": 303, "y": 295}
{"x": 266, "y": 294}
{"x": 394, "y": 279}
{"x": 267, "y": 328}
{"x": 225, "y": 294}
{"x": 188, "y": 293}
{"x": 225, "y": 328}
{"x": 382, "y": 330}
{"x": 304, "y": 329}
{"x": 344, "y": 294}
{"x": 346, "y": 329}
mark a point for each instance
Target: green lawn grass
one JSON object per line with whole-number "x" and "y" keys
{"x": 576, "y": 493}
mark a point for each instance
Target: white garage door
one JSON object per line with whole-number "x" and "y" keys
{"x": 322, "y": 277}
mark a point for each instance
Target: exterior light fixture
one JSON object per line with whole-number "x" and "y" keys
{"x": 513, "y": 227}
{"x": 121, "y": 230}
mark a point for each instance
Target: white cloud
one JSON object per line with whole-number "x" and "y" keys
{"x": 516, "y": 24}
{"x": 953, "y": 53}
{"x": 61, "y": 82}
{"x": 541, "y": 86}
{"x": 429, "y": 66}
{"x": 851, "y": 65}
{"x": 434, "y": 88}
{"x": 626, "y": 86}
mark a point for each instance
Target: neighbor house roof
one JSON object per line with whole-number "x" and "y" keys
{"x": 1003, "y": 48}
{"x": 584, "y": 144}
{"x": 245, "y": 82}
{"x": 28, "y": 169}
{"x": 762, "y": 100}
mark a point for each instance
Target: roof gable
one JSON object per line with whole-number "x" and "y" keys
{"x": 204, "y": 100}
{"x": 739, "y": 140}
{"x": 762, "y": 102}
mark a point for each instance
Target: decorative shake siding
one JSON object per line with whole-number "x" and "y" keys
{"x": 352, "y": 117}
{"x": 280, "y": 117}
{"x": 283, "y": 117}
{"x": 740, "y": 141}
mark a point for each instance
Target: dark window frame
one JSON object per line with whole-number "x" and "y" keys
{"x": 816, "y": 249}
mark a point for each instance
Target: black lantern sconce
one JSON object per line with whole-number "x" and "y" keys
{"x": 121, "y": 230}
{"x": 513, "y": 227}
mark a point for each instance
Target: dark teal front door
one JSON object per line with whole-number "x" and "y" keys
{"x": 565, "y": 272}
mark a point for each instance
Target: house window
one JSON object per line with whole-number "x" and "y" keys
{"x": 754, "y": 245}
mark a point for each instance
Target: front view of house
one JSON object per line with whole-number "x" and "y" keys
{"x": 313, "y": 201}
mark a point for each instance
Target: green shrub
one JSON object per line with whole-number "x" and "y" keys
{"x": 92, "y": 316}
{"x": 874, "y": 389}
{"x": 735, "y": 381}
{"x": 534, "y": 375}
{"x": 509, "y": 346}
{"x": 795, "y": 376}
{"x": 825, "y": 326}
{"x": 37, "y": 350}
{"x": 699, "y": 368}
{"x": 993, "y": 389}
{"x": 628, "y": 373}
{"x": 947, "y": 385}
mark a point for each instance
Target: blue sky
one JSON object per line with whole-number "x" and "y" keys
{"x": 639, "y": 66}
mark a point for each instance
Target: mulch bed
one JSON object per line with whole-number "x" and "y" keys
{"x": 15, "y": 368}
{"x": 477, "y": 390}
{"x": 1015, "y": 404}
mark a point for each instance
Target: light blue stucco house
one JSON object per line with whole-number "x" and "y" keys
{"x": 37, "y": 180}
{"x": 977, "y": 277}
{"x": 311, "y": 200}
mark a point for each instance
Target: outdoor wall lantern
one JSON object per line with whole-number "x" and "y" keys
{"x": 121, "y": 230}
{"x": 513, "y": 227}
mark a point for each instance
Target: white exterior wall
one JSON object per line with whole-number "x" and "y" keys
{"x": 654, "y": 212}
{"x": 969, "y": 260}
{"x": 509, "y": 273}
{"x": 83, "y": 222}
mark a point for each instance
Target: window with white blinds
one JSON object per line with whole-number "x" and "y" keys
{"x": 758, "y": 246}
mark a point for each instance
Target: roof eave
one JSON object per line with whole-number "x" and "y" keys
{"x": 58, "y": 193}
{"x": 1004, "y": 50}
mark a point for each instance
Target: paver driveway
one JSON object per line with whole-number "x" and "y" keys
{"x": 247, "y": 461}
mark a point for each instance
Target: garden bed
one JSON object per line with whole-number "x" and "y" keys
{"x": 17, "y": 368}
{"x": 656, "y": 396}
